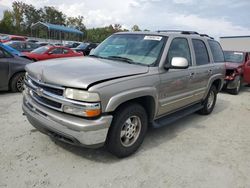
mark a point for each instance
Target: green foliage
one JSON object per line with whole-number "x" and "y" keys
{"x": 99, "y": 34}
{"x": 6, "y": 25}
{"x": 135, "y": 28}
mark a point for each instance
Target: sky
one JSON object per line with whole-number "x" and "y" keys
{"x": 214, "y": 17}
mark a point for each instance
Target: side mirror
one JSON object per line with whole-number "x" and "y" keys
{"x": 179, "y": 63}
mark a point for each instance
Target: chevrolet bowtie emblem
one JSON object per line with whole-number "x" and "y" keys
{"x": 39, "y": 91}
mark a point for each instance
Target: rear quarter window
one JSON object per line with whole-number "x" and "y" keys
{"x": 216, "y": 50}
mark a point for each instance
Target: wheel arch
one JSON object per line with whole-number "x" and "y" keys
{"x": 145, "y": 97}
{"x": 13, "y": 75}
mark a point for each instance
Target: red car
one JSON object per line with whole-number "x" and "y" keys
{"x": 50, "y": 52}
{"x": 8, "y": 38}
{"x": 237, "y": 70}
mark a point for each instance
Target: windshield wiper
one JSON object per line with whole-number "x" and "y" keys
{"x": 95, "y": 56}
{"x": 125, "y": 59}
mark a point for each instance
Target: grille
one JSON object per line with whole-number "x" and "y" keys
{"x": 50, "y": 89}
{"x": 45, "y": 94}
{"x": 47, "y": 101}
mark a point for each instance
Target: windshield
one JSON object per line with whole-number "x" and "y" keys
{"x": 40, "y": 50}
{"x": 83, "y": 45}
{"x": 132, "y": 48}
{"x": 235, "y": 57}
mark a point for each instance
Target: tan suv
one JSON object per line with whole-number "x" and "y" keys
{"x": 129, "y": 82}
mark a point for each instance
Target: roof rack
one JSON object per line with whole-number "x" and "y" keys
{"x": 205, "y": 35}
{"x": 179, "y": 31}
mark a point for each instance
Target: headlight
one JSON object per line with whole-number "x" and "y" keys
{"x": 81, "y": 95}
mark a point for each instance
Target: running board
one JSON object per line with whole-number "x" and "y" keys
{"x": 176, "y": 116}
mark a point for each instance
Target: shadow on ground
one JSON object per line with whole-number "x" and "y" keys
{"x": 154, "y": 137}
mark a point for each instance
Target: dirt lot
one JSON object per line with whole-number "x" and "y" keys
{"x": 197, "y": 151}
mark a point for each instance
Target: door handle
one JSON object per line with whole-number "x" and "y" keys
{"x": 191, "y": 75}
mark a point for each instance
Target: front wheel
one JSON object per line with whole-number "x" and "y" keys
{"x": 209, "y": 102}
{"x": 128, "y": 130}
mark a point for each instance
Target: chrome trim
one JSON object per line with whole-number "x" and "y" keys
{"x": 53, "y": 97}
{"x": 45, "y": 84}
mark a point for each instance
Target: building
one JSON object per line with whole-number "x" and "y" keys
{"x": 235, "y": 43}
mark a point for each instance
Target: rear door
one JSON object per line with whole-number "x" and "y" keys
{"x": 203, "y": 68}
{"x": 4, "y": 68}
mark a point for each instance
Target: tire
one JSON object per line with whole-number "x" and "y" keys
{"x": 127, "y": 130}
{"x": 17, "y": 81}
{"x": 236, "y": 90}
{"x": 209, "y": 102}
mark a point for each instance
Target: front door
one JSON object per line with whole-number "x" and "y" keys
{"x": 4, "y": 68}
{"x": 174, "y": 88}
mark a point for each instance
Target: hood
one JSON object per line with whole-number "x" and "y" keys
{"x": 82, "y": 72}
{"x": 230, "y": 65}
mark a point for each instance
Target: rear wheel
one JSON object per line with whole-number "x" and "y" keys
{"x": 209, "y": 102}
{"x": 17, "y": 82}
{"x": 128, "y": 130}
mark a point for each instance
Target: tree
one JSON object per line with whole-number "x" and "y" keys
{"x": 135, "y": 28}
{"x": 52, "y": 15}
{"x": 32, "y": 15}
{"x": 6, "y": 24}
{"x": 76, "y": 22}
{"x": 18, "y": 14}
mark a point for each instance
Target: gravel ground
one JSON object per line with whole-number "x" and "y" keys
{"x": 196, "y": 151}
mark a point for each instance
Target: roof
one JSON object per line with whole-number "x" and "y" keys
{"x": 228, "y": 37}
{"x": 177, "y": 33}
{"x": 57, "y": 27}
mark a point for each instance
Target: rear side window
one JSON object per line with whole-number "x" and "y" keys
{"x": 200, "y": 50}
{"x": 179, "y": 48}
{"x": 216, "y": 51}
{"x": 57, "y": 51}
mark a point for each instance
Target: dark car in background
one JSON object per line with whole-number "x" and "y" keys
{"x": 23, "y": 46}
{"x": 12, "y": 71}
{"x": 71, "y": 44}
{"x": 85, "y": 47}
{"x": 42, "y": 43}
{"x": 237, "y": 70}
{"x": 10, "y": 49}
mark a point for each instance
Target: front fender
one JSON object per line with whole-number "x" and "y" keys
{"x": 125, "y": 96}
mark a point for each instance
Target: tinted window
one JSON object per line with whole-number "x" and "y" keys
{"x": 57, "y": 51}
{"x": 179, "y": 48}
{"x": 216, "y": 51}
{"x": 200, "y": 50}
